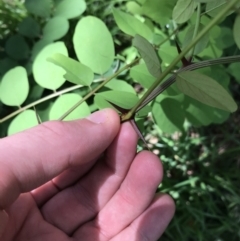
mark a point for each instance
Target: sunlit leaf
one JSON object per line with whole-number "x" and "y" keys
{"x": 23, "y": 121}
{"x": 236, "y": 31}
{"x": 41, "y": 8}
{"x": 47, "y": 74}
{"x": 93, "y": 44}
{"x": 101, "y": 103}
{"x": 205, "y": 90}
{"x": 148, "y": 54}
{"x": 14, "y": 87}
{"x": 183, "y": 10}
{"x": 121, "y": 85}
{"x": 64, "y": 103}
{"x": 55, "y": 28}
{"x": 144, "y": 111}
{"x": 70, "y": 8}
{"x": 140, "y": 74}
{"x": 133, "y": 7}
{"x": 38, "y": 46}
{"x": 131, "y": 25}
{"x": 76, "y": 72}
{"x": 122, "y": 99}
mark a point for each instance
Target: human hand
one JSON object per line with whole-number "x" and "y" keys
{"x": 58, "y": 183}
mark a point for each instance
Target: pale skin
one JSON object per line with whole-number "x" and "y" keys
{"x": 80, "y": 180}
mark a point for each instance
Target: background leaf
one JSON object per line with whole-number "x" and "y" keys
{"x": 47, "y": 74}
{"x": 205, "y": 90}
{"x": 76, "y": 72}
{"x": 17, "y": 48}
{"x": 93, "y": 44}
{"x": 159, "y": 10}
{"x": 14, "y": 87}
{"x": 29, "y": 27}
{"x": 148, "y": 54}
{"x": 70, "y": 8}
{"x": 23, "y": 121}
{"x": 131, "y": 25}
{"x": 64, "y": 103}
{"x": 41, "y": 8}
{"x": 236, "y": 31}
{"x": 55, "y": 28}
{"x": 183, "y": 10}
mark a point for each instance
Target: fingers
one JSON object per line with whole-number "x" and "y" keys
{"x": 132, "y": 198}
{"x": 33, "y": 157}
{"x": 3, "y": 221}
{"x": 81, "y": 202}
{"x": 151, "y": 224}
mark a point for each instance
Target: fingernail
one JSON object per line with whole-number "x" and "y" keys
{"x": 98, "y": 117}
{"x": 3, "y": 221}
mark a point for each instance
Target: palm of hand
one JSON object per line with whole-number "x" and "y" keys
{"x": 112, "y": 198}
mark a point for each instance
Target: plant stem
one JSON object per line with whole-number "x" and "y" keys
{"x": 99, "y": 87}
{"x": 159, "y": 89}
{"x": 131, "y": 113}
{"x": 58, "y": 93}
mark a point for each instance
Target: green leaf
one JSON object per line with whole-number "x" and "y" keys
{"x": 131, "y": 25}
{"x": 168, "y": 115}
{"x": 38, "y": 46}
{"x": 29, "y": 27}
{"x": 55, "y": 28}
{"x": 200, "y": 114}
{"x": 234, "y": 70}
{"x": 214, "y": 7}
{"x": 133, "y": 7}
{"x": 14, "y": 87}
{"x": 236, "y": 31}
{"x": 148, "y": 54}
{"x": 144, "y": 111}
{"x": 122, "y": 99}
{"x": 41, "y": 8}
{"x": 93, "y": 44}
{"x": 183, "y": 10}
{"x": 140, "y": 74}
{"x": 121, "y": 85}
{"x": 23, "y": 121}
{"x": 159, "y": 10}
{"x": 17, "y": 48}
{"x": 225, "y": 40}
{"x": 64, "y": 103}
{"x": 47, "y": 74}
{"x": 101, "y": 103}
{"x": 76, "y": 72}
{"x": 201, "y": 45}
{"x": 167, "y": 54}
{"x": 205, "y": 90}
{"x": 70, "y": 8}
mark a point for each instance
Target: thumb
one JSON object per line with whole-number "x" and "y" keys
{"x": 33, "y": 157}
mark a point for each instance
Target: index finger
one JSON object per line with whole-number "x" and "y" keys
{"x": 33, "y": 157}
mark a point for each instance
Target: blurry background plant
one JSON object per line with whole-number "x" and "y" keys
{"x": 198, "y": 144}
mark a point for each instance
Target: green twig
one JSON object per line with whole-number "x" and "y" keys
{"x": 99, "y": 87}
